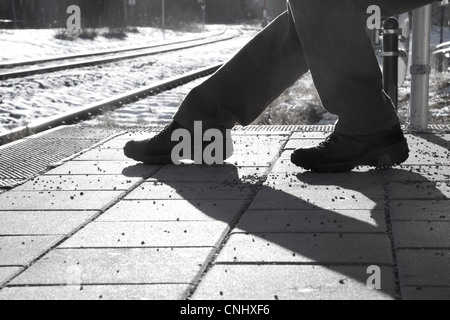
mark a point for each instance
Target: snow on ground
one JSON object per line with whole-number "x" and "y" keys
{"x": 31, "y": 43}
{"x": 27, "y": 99}
{"x": 154, "y": 110}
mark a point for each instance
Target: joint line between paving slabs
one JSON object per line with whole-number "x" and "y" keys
{"x": 254, "y": 191}
{"x": 387, "y": 215}
{"x": 111, "y": 284}
{"x": 313, "y": 263}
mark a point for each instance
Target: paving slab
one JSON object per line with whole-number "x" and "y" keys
{"x": 292, "y": 282}
{"x": 103, "y": 154}
{"x": 421, "y": 234}
{"x": 148, "y": 234}
{"x": 304, "y": 236}
{"x": 288, "y": 197}
{"x": 286, "y": 166}
{"x": 43, "y": 222}
{"x": 116, "y": 266}
{"x": 419, "y": 173}
{"x": 58, "y": 200}
{"x": 233, "y": 190}
{"x": 173, "y": 210}
{"x": 126, "y": 168}
{"x": 356, "y": 180}
{"x": 320, "y": 248}
{"x": 428, "y": 149}
{"x": 258, "y": 140}
{"x": 7, "y": 273}
{"x": 203, "y": 173}
{"x": 97, "y": 292}
{"x": 361, "y": 221}
{"x": 425, "y": 293}
{"x": 419, "y": 190}
{"x": 251, "y": 148}
{"x": 137, "y": 134}
{"x": 22, "y": 250}
{"x": 420, "y": 210}
{"x": 79, "y": 182}
{"x": 424, "y": 268}
{"x": 120, "y": 141}
{"x": 260, "y": 163}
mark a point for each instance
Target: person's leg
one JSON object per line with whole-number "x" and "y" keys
{"x": 342, "y": 60}
{"x": 241, "y": 90}
{"x": 348, "y": 78}
{"x": 236, "y": 93}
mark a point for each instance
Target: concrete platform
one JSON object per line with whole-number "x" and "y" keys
{"x": 96, "y": 225}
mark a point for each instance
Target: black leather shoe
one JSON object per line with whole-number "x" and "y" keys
{"x": 158, "y": 150}
{"x": 342, "y": 153}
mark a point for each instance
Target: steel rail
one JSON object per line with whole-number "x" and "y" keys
{"x": 91, "y": 62}
{"x": 22, "y": 63}
{"x": 84, "y": 113}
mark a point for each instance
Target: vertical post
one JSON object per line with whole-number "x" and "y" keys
{"x": 376, "y": 36}
{"x": 163, "y": 18}
{"x": 420, "y": 68}
{"x": 202, "y": 4}
{"x": 125, "y": 13}
{"x": 204, "y": 14}
{"x": 265, "y": 15}
{"x": 132, "y": 4}
{"x": 390, "y": 59}
{"x": 441, "y": 57}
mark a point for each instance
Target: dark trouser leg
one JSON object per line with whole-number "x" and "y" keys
{"x": 248, "y": 83}
{"x": 325, "y": 36}
{"x": 343, "y": 63}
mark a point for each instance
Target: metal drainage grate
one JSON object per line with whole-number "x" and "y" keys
{"x": 29, "y": 157}
{"x": 439, "y": 128}
{"x": 285, "y": 128}
{"x": 25, "y": 159}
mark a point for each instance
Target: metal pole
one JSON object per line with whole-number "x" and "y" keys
{"x": 163, "y": 19}
{"x": 441, "y": 40}
{"x": 420, "y": 68}
{"x": 204, "y": 13}
{"x": 390, "y": 59}
{"x": 203, "y": 7}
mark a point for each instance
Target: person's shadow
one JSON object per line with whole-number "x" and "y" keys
{"x": 340, "y": 222}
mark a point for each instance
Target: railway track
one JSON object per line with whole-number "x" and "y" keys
{"x": 84, "y": 113}
{"x": 108, "y": 56}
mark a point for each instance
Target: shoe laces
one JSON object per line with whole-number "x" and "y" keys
{"x": 332, "y": 139}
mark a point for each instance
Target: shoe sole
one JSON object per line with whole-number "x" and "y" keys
{"x": 165, "y": 159}
{"x": 154, "y": 160}
{"x": 382, "y": 158}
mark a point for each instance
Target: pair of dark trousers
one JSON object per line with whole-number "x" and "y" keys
{"x": 326, "y": 37}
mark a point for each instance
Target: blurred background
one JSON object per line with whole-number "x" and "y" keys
{"x": 34, "y": 28}
{"x": 145, "y": 13}
{"x": 142, "y": 13}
